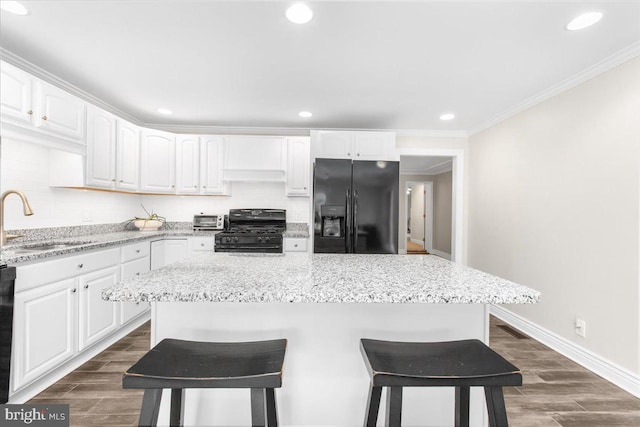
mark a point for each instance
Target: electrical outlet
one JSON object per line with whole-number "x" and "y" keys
{"x": 580, "y": 327}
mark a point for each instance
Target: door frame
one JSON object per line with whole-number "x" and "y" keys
{"x": 427, "y": 210}
{"x": 458, "y": 246}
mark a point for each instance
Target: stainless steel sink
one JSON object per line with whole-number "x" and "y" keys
{"x": 49, "y": 246}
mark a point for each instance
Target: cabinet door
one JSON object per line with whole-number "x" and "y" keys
{"x": 15, "y": 93}
{"x": 97, "y": 317}
{"x": 44, "y": 330}
{"x": 175, "y": 250}
{"x": 202, "y": 244}
{"x": 187, "y": 164}
{"x": 374, "y": 146}
{"x": 101, "y": 149}
{"x": 211, "y": 160}
{"x": 59, "y": 112}
{"x": 128, "y": 270}
{"x": 157, "y": 254}
{"x": 295, "y": 244}
{"x": 298, "y": 167}
{"x": 127, "y": 156}
{"x": 157, "y": 161}
{"x": 332, "y": 144}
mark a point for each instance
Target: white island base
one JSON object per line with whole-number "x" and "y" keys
{"x": 325, "y": 382}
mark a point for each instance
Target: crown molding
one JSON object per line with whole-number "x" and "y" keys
{"x": 628, "y": 53}
{"x": 42, "y": 74}
{"x": 229, "y": 130}
{"x": 433, "y": 133}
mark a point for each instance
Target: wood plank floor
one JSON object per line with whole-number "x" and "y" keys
{"x": 556, "y": 391}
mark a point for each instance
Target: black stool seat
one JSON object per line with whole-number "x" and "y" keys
{"x": 459, "y": 364}
{"x": 180, "y": 364}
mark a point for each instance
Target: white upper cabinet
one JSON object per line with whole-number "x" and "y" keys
{"x": 101, "y": 149}
{"x": 211, "y": 163}
{"x": 354, "y": 145}
{"x": 254, "y": 158}
{"x": 187, "y": 164}
{"x": 39, "y": 109}
{"x": 15, "y": 93}
{"x": 298, "y": 166}
{"x": 157, "y": 161}
{"x": 127, "y": 156}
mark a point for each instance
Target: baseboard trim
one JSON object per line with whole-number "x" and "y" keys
{"x": 608, "y": 370}
{"x": 417, "y": 241}
{"x": 440, "y": 254}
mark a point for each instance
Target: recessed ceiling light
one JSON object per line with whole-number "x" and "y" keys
{"x": 165, "y": 111}
{"x": 299, "y": 13}
{"x": 447, "y": 116}
{"x": 583, "y": 21}
{"x": 13, "y": 7}
{"x": 305, "y": 114}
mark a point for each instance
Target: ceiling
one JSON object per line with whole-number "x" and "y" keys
{"x": 357, "y": 65}
{"x": 425, "y": 165}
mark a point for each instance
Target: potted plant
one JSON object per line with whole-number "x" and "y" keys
{"x": 149, "y": 223}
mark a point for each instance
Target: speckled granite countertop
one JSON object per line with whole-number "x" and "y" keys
{"x": 320, "y": 278}
{"x": 296, "y": 229}
{"x": 90, "y": 242}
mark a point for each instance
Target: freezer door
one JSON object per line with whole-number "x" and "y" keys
{"x": 332, "y": 215}
{"x": 375, "y": 207}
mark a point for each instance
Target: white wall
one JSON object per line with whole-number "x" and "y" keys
{"x": 26, "y": 167}
{"x": 442, "y": 203}
{"x": 554, "y": 204}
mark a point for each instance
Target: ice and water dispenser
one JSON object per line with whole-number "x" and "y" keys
{"x": 333, "y": 218}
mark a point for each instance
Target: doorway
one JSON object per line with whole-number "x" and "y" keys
{"x": 419, "y": 209}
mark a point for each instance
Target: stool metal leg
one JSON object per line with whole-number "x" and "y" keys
{"x": 394, "y": 407}
{"x": 258, "y": 397}
{"x": 150, "y": 407}
{"x": 462, "y": 406}
{"x": 373, "y": 406}
{"x": 176, "y": 417}
{"x": 495, "y": 407}
{"x": 272, "y": 413}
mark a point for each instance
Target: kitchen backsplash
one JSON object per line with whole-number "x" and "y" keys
{"x": 25, "y": 167}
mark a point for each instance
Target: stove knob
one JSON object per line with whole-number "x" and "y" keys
{"x": 260, "y": 239}
{"x": 228, "y": 239}
{"x": 266, "y": 239}
{"x": 235, "y": 239}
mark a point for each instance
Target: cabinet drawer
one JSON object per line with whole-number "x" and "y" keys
{"x": 38, "y": 274}
{"x": 135, "y": 268}
{"x": 135, "y": 251}
{"x": 203, "y": 244}
{"x": 293, "y": 244}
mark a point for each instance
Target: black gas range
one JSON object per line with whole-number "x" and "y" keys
{"x": 253, "y": 230}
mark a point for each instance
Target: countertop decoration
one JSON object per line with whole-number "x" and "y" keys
{"x": 151, "y": 222}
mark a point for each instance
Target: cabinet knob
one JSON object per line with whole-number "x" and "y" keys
{"x": 121, "y": 181}
{"x": 73, "y": 290}
{"x": 137, "y": 274}
{"x": 137, "y": 251}
{"x": 30, "y": 112}
{"x": 80, "y": 265}
{"x": 195, "y": 186}
{"x": 137, "y": 303}
{"x": 45, "y": 118}
{"x": 114, "y": 180}
{"x": 173, "y": 186}
{"x": 204, "y": 186}
{"x": 305, "y": 188}
{"x": 348, "y": 154}
{"x": 358, "y": 154}
{"x": 201, "y": 244}
{"x": 295, "y": 246}
{"x": 86, "y": 286}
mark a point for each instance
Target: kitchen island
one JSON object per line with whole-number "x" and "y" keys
{"x": 323, "y": 304}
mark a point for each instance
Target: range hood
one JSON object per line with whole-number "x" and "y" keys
{"x": 254, "y": 158}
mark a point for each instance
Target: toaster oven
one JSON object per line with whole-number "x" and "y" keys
{"x": 206, "y": 222}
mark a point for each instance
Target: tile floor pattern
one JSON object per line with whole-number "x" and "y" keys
{"x": 556, "y": 391}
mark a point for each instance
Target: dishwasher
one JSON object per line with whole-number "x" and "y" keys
{"x": 7, "y": 284}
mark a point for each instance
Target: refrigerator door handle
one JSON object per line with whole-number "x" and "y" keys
{"x": 347, "y": 237}
{"x": 355, "y": 221}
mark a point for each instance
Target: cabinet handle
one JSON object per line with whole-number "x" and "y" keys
{"x": 86, "y": 286}
{"x": 358, "y": 154}
{"x": 114, "y": 180}
{"x": 73, "y": 290}
{"x": 137, "y": 274}
{"x": 204, "y": 186}
{"x": 295, "y": 246}
{"x": 195, "y": 186}
{"x": 305, "y": 188}
{"x": 121, "y": 181}
{"x": 30, "y": 112}
{"x": 137, "y": 303}
{"x": 80, "y": 265}
{"x": 201, "y": 244}
{"x": 348, "y": 154}
{"x": 173, "y": 186}
{"x": 44, "y": 118}
{"x": 137, "y": 251}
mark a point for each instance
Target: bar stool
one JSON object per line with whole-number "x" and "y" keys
{"x": 459, "y": 364}
{"x": 179, "y": 364}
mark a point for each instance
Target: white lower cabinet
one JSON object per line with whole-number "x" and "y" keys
{"x": 295, "y": 244}
{"x": 202, "y": 244}
{"x": 98, "y": 318}
{"x": 168, "y": 251}
{"x": 44, "y": 333}
{"x": 130, "y": 269}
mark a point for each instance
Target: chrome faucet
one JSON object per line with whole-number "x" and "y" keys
{"x": 27, "y": 212}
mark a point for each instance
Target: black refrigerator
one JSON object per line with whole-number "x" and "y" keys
{"x": 355, "y": 206}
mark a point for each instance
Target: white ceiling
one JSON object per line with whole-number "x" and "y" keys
{"x": 361, "y": 65}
